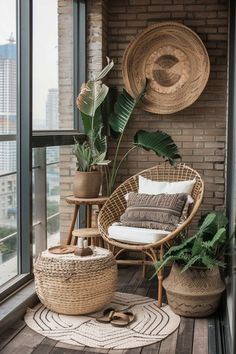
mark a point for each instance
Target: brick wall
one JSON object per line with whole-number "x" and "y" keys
{"x": 97, "y": 21}
{"x": 67, "y": 164}
{"x": 200, "y": 129}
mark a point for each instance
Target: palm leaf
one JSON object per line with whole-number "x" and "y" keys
{"x": 93, "y": 93}
{"x": 159, "y": 142}
{"x": 105, "y": 70}
{"x": 123, "y": 109}
{"x": 87, "y": 121}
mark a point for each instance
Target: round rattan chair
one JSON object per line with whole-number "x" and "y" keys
{"x": 116, "y": 205}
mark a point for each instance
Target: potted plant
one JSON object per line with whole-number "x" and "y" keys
{"x": 194, "y": 285}
{"x": 92, "y": 153}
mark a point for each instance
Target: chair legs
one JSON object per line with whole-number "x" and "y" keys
{"x": 160, "y": 279}
{"x": 150, "y": 253}
{"x": 144, "y": 265}
{"x": 160, "y": 275}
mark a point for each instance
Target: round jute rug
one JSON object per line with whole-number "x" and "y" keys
{"x": 152, "y": 324}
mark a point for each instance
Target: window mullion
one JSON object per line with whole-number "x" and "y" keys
{"x": 79, "y": 51}
{"x": 24, "y": 129}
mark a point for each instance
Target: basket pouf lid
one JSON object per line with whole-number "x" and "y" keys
{"x": 172, "y": 60}
{"x": 70, "y": 284}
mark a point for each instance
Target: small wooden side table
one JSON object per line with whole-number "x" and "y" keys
{"x": 77, "y": 202}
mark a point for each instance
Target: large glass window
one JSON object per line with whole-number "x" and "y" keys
{"x": 52, "y": 64}
{"x": 38, "y": 54}
{"x": 8, "y": 123}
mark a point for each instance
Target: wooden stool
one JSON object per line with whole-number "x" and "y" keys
{"x": 88, "y": 202}
{"x": 92, "y": 234}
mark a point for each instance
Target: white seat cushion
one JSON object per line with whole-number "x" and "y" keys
{"x": 135, "y": 235}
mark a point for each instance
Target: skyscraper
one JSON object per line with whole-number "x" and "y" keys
{"x": 52, "y": 109}
{"x": 8, "y": 126}
{"x": 8, "y": 104}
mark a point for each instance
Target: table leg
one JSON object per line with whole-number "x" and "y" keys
{"x": 89, "y": 216}
{"x": 72, "y": 226}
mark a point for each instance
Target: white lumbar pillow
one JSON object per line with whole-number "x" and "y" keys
{"x": 148, "y": 186}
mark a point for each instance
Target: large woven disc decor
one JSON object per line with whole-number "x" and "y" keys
{"x": 174, "y": 63}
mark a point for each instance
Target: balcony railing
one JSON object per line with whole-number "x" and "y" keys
{"x": 41, "y": 238}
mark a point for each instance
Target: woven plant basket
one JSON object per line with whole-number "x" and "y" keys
{"x": 194, "y": 293}
{"x": 74, "y": 285}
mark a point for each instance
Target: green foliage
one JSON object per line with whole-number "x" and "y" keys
{"x": 121, "y": 114}
{"x": 159, "y": 142}
{"x": 93, "y": 151}
{"x": 92, "y": 94}
{"x": 205, "y": 249}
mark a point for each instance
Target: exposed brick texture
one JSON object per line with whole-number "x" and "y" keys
{"x": 198, "y": 130}
{"x": 67, "y": 164}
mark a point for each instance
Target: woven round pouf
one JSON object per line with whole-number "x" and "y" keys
{"x": 75, "y": 285}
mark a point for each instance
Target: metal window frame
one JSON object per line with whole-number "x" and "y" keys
{"x": 80, "y": 54}
{"x": 27, "y": 139}
{"x": 230, "y": 337}
{"x": 24, "y": 132}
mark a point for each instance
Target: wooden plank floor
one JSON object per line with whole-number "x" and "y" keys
{"x": 192, "y": 336}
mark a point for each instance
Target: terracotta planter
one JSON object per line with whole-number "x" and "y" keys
{"x": 87, "y": 184}
{"x": 194, "y": 293}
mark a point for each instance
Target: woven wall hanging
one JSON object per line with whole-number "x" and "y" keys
{"x": 175, "y": 63}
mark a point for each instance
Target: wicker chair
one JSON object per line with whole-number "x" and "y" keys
{"x": 116, "y": 205}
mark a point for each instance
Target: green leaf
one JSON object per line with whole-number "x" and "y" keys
{"x": 219, "y": 237}
{"x": 160, "y": 264}
{"x": 87, "y": 121}
{"x": 213, "y": 222}
{"x": 83, "y": 154}
{"x": 210, "y": 262}
{"x": 93, "y": 93}
{"x": 191, "y": 262}
{"x": 221, "y": 220}
{"x": 207, "y": 223}
{"x": 159, "y": 142}
{"x": 186, "y": 244}
{"x": 123, "y": 109}
{"x": 197, "y": 246}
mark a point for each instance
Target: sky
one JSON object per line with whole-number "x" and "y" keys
{"x": 45, "y": 53}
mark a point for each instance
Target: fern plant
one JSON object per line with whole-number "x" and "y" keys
{"x": 205, "y": 249}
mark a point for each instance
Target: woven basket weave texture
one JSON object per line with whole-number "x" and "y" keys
{"x": 172, "y": 60}
{"x": 74, "y": 285}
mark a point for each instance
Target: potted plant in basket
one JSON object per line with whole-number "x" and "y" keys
{"x": 93, "y": 152}
{"x": 194, "y": 285}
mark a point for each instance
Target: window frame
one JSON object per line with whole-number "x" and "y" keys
{"x": 27, "y": 139}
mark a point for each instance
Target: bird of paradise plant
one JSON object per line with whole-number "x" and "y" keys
{"x": 89, "y": 102}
